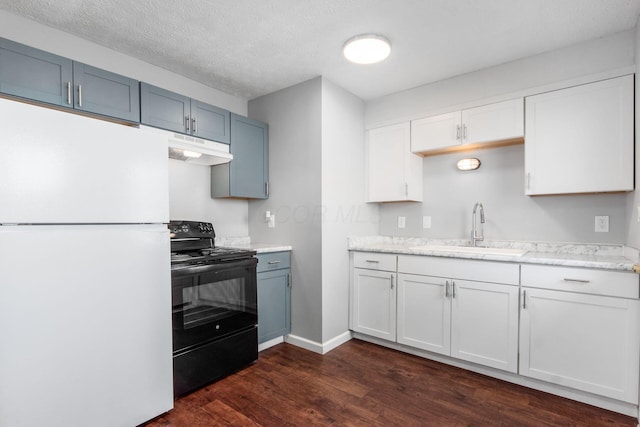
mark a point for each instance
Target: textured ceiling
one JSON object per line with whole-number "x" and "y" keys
{"x": 252, "y": 47}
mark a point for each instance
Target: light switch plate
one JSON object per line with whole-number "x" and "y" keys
{"x": 402, "y": 221}
{"x": 426, "y": 221}
{"x": 602, "y": 224}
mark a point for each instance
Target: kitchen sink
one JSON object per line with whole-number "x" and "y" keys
{"x": 480, "y": 250}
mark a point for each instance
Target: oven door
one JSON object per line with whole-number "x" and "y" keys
{"x": 212, "y": 301}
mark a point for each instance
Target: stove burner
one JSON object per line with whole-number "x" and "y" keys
{"x": 192, "y": 244}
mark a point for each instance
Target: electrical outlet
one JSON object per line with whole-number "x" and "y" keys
{"x": 402, "y": 222}
{"x": 602, "y": 224}
{"x": 426, "y": 221}
{"x": 271, "y": 222}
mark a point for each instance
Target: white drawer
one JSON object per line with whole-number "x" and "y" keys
{"x": 480, "y": 271}
{"x": 582, "y": 280}
{"x": 374, "y": 261}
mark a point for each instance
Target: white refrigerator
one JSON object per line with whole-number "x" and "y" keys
{"x": 85, "y": 293}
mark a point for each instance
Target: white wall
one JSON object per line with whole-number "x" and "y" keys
{"x": 188, "y": 198}
{"x": 343, "y": 201}
{"x": 449, "y": 195}
{"x": 295, "y": 135}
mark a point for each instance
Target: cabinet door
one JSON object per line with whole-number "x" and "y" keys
{"x": 580, "y": 140}
{"x": 436, "y": 132}
{"x": 35, "y": 74}
{"x": 484, "y": 325}
{"x": 393, "y": 172}
{"x": 424, "y": 313}
{"x": 586, "y": 342}
{"x": 164, "y": 109}
{"x": 210, "y": 122}
{"x": 373, "y": 303}
{"x": 493, "y": 122}
{"x": 250, "y": 165}
{"x": 102, "y": 92}
{"x": 274, "y": 295}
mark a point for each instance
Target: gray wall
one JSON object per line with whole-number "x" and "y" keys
{"x": 449, "y": 195}
{"x": 316, "y": 143}
{"x": 633, "y": 199}
{"x": 344, "y": 208}
{"x": 189, "y": 184}
{"x": 295, "y": 135}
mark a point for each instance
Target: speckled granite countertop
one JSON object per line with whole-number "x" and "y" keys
{"x": 601, "y": 256}
{"x": 245, "y": 243}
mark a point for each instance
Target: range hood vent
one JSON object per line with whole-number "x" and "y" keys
{"x": 193, "y": 150}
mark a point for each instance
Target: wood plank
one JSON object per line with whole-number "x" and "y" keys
{"x": 362, "y": 384}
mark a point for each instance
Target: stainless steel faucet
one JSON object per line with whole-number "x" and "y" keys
{"x": 475, "y": 235}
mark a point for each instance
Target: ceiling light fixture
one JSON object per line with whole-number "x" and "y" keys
{"x": 366, "y": 49}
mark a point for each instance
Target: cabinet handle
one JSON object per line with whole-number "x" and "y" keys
{"x": 79, "y": 95}
{"x": 69, "y": 93}
{"x": 187, "y": 122}
{"x": 457, "y": 131}
{"x": 406, "y": 189}
{"x": 288, "y": 280}
{"x": 567, "y": 279}
{"x": 194, "y": 125}
{"x": 273, "y": 262}
{"x": 524, "y": 299}
{"x": 372, "y": 261}
{"x": 464, "y": 131}
{"x": 453, "y": 289}
{"x": 266, "y": 188}
{"x": 446, "y": 289}
{"x": 392, "y": 281}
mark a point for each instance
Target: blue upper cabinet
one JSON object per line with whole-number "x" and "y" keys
{"x": 247, "y": 175}
{"x": 34, "y": 74}
{"x": 172, "y": 111}
{"x": 102, "y": 92}
{"x": 210, "y": 122}
{"x": 41, "y": 76}
{"x": 164, "y": 109}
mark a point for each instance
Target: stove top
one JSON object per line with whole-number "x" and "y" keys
{"x": 192, "y": 243}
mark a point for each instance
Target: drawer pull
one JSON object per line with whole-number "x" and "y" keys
{"x": 566, "y": 279}
{"x": 273, "y": 262}
{"x": 373, "y": 261}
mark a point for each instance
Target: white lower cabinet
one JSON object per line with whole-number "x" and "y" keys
{"x": 373, "y": 295}
{"x": 424, "y": 313}
{"x": 472, "y": 321}
{"x": 484, "y": 324}
{"x": 585, "y": 341}
{"x": 574, "y": 327}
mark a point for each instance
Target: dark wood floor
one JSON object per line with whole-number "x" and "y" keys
{"x": 361, "y": 384}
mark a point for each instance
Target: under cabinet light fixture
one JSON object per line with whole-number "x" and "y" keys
{"x": 366, "y": 49}
{"x": 468, "y": 164}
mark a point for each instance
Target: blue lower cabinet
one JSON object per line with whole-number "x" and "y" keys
{"x": 274, "y": 295}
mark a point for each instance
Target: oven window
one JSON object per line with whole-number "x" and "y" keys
{"x": 211, "y": 302}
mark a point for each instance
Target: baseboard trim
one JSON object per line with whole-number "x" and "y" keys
{"x": 316, "y": 347}
{"x": 268, "y": 344}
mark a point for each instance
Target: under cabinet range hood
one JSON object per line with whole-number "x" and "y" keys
{"x": 193, "y": 150}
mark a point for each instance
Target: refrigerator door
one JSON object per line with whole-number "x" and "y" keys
{"x": 85, "y": 325}
{"x": 57, "y": 167}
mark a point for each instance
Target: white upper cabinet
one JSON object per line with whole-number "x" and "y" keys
{"x": 393, "y": 172}
{"x": 580, "y": 139}
{"x": 501, "y": 121}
